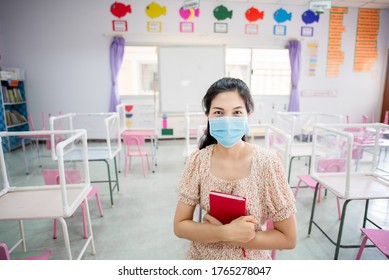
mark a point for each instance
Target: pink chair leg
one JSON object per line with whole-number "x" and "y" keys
{"x": 319, "y": 194}
{"x": 339, "y": 211}
{"x": 361, "y": 248}
{"x": 297, "y": 189}
{"x": 84, "y": 220}
{"x": 99, "y": 204}
{"x": 55, "y": 229}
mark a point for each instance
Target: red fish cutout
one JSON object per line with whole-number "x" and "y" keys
{"x": 128, "y": 108}
{"x": 253, "y": 14}
{"x": 120, "y": 10}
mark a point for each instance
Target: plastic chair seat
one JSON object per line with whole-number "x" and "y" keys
{"x": 379, "y": 237}
{"x": 311, "y": 183}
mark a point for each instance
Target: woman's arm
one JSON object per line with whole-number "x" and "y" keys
{"x": 240, "y": 230}
{"x": 283, "y": 236}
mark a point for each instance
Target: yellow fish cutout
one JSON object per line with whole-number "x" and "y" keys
{"x": 154, "y": 10}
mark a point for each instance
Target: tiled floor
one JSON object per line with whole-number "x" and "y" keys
{"x": 140, "y": 225}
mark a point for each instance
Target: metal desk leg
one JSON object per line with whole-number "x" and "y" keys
{"x": 66, "y": 237}
{"x": 365, "y": 215}
{"x": 90, "y": 237}
{"x": 290, "y": 168}
{"x": 340, "y": 232}
{"x": 25, "y": 156}
{"x": 116, "y": 173}
{"x": 109, "y": 182}
{"x": 154, "y": 153}
{"x": 22, "y": 236}
{"x": 313, "y": 209}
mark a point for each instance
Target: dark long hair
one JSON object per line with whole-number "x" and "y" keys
{"x": 223, "y": 85}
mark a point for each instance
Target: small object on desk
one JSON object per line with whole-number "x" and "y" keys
{"x": 167, "y": 131}
{"x": 164, "y": 121}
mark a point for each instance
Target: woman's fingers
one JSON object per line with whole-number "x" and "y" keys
{"x": 250, "y": 219}
{"x": 209, "y": 219}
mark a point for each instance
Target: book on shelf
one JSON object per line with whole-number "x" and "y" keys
{"x": 226, "y": 207}
{"x": 5, "y": 94}
{"x": 17, "y": 95}
{"x": 14, "y": 117}
{"x": 11, "y": 96}
{"x": 8, "y": 117}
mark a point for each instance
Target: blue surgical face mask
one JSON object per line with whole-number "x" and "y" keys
{"x": 228, "y": 130}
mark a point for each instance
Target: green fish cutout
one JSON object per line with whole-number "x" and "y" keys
{"x": 222, "y": 13}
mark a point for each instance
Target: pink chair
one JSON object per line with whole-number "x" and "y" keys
{"x": 379, "y": 237}
{"x": 137, "y": 142}
{"x": 51, "y": 177}
{"x": 38, "y": 255}
{"x": 324, "y": 165}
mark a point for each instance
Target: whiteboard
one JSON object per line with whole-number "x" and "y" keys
{"x": 186, "y": 73}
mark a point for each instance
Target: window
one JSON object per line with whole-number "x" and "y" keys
{"x": 139, "y": 71}
{"x": 266, "y": 71}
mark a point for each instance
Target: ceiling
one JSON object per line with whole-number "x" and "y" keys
{"x": 372, "y": 4}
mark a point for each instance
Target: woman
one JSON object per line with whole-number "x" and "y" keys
{"x": 226, "y": 163}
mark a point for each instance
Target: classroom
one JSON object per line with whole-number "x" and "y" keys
{"x": 121, "y": 83}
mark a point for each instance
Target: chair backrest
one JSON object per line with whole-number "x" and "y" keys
{"x": 4, "y": 253}
{"x": 132, "y": 140}
{"x": 51, "y": 176}
{"x": 331, "y": 165}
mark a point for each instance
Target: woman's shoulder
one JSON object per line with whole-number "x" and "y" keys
{"x": 199, "y": 155}
{"x": 261, "y": 151}
{"x": 264, "y": 154}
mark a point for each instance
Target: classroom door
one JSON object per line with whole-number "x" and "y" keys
{"x": 385, "y": 101}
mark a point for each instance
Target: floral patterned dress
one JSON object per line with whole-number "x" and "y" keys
{"x": 267, "y": 193}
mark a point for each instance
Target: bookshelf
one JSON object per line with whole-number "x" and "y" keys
{"x": 13, "y": 111}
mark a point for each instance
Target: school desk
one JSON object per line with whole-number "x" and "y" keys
{"x": 35, "y": 202}
{"x": 349, "y": 185}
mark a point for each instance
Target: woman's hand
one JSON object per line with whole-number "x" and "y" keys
{"x": 208, "y": 219}
{"x": 241, "y": 230}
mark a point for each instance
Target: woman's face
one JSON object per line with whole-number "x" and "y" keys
{"x": 227, "y": 103}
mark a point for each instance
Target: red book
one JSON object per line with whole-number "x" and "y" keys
{"x": 226, "y": 207}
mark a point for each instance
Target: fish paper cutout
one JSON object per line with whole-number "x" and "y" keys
{"x": 188, "y": 14}
{"x": 253, "y": 14}
{"x": 310, "y": 16}
{"x": 222, "y": 13}
{"x": 120, "y": 10}
{"x": 154, "y": 10}
{"x": 282, "y": 15}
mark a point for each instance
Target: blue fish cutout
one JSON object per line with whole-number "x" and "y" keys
{"x": 281, "y": 15}
{"x": 310, "y": 16}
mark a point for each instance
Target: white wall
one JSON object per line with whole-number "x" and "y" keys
{"x": 64, "y": 48}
